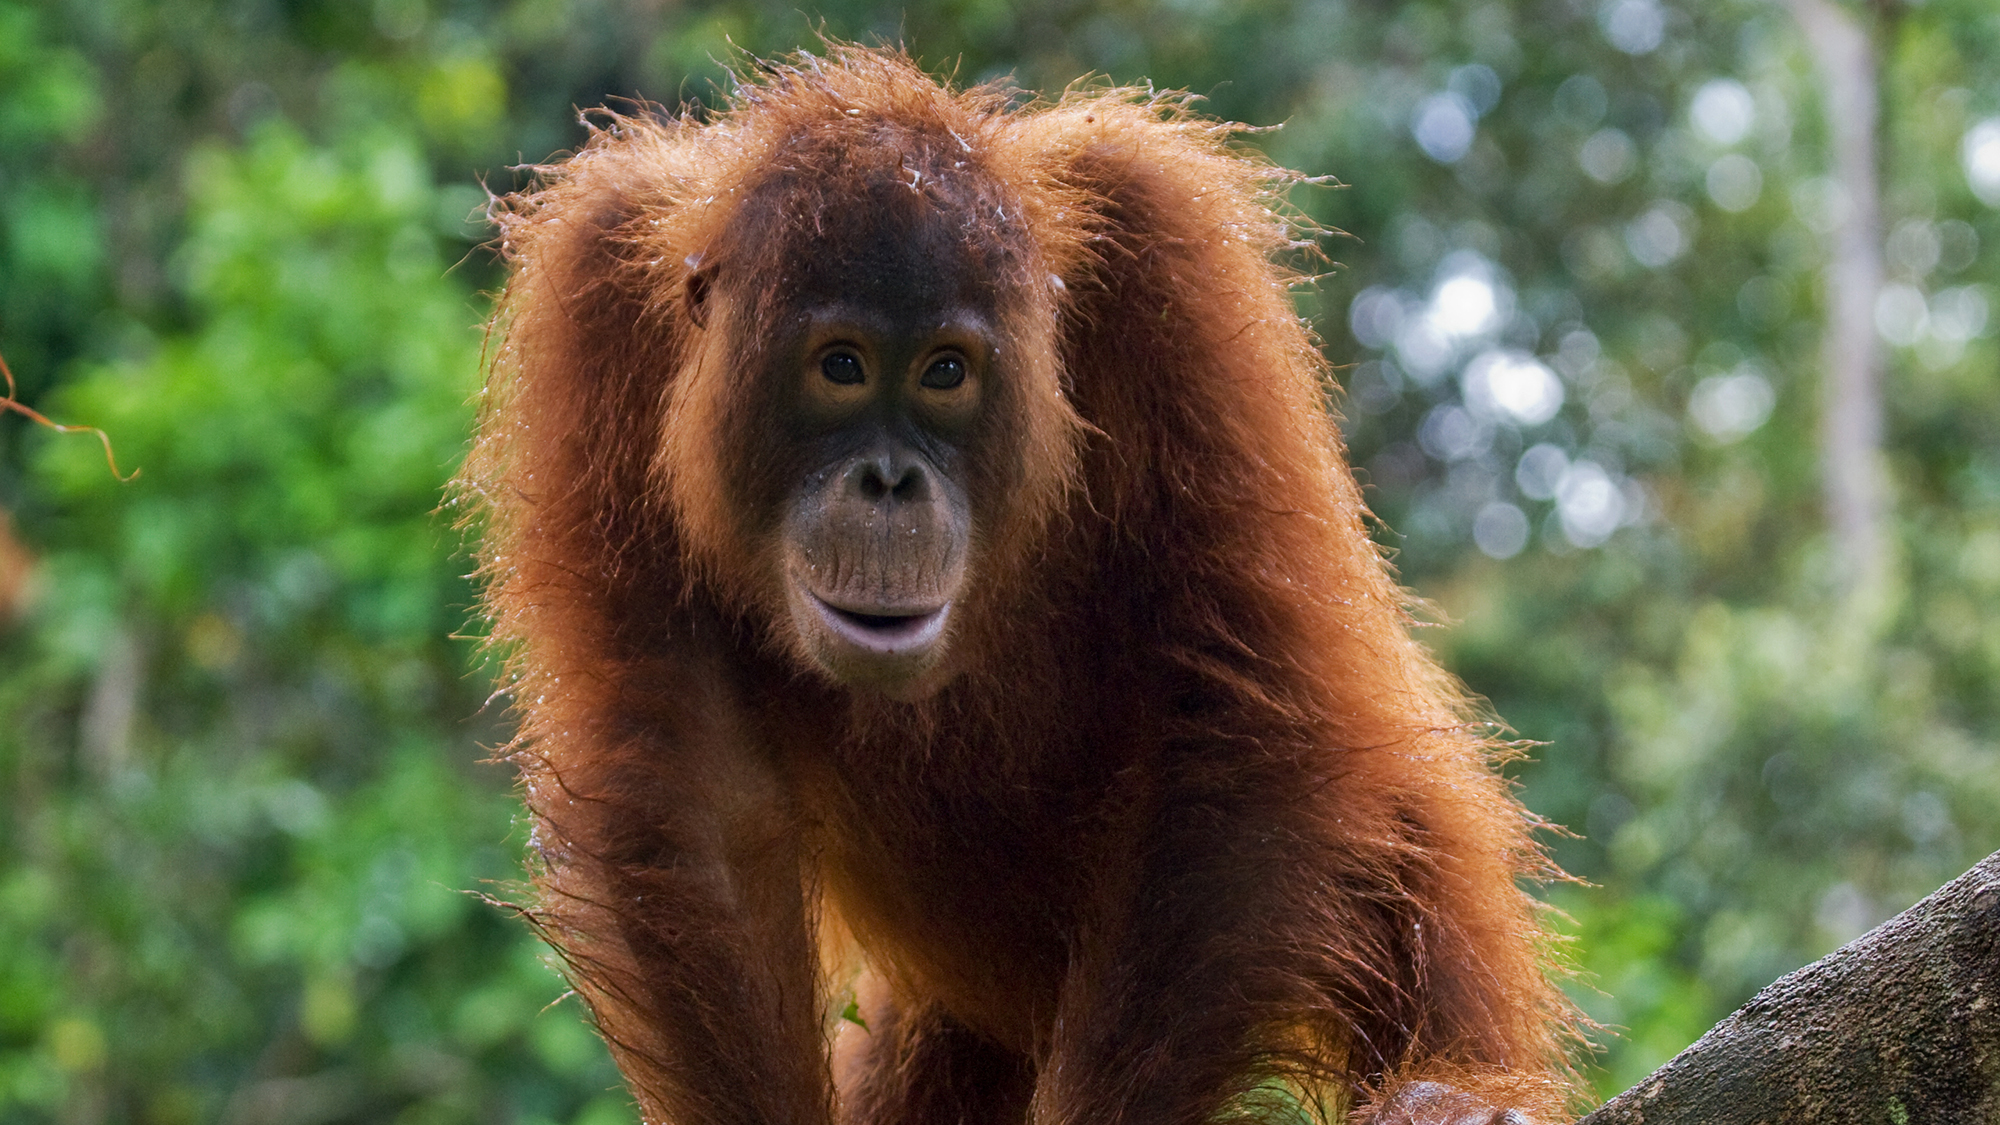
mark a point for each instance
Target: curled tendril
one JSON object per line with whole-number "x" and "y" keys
{"x": 10, "y": 402}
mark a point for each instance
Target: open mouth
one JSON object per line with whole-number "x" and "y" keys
{"x": 886, "y": 633}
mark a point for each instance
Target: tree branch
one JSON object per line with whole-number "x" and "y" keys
{"x": 1901, "y": 1025}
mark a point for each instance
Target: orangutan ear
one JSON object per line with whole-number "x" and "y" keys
{"x": 695, "y": 290}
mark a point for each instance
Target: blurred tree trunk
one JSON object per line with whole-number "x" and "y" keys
{"x": 1900, "y": 1025}
{"x": 16, "y": 565}
{"x": 1851, "y": 392}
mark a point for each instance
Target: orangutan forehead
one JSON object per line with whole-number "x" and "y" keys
{"x": 883, "y": 237}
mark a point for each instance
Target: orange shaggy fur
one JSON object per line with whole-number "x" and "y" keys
{"x": 1194, "y": 815}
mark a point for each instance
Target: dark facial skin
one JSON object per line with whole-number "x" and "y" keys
{"x": 887, "y": 382}
{"x": 876, "y": 540}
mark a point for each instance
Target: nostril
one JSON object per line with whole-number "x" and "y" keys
{"x": 879, "y": 479}
{"x": 868, "y": 479}
{"x": 911, "y": 485}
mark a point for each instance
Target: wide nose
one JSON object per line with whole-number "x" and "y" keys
{"x": 885, "y": 478}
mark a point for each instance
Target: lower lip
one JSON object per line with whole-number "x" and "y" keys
{"x": 899, "y": 636}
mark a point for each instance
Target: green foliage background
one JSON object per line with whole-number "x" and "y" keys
{"x": 244, "y": 810}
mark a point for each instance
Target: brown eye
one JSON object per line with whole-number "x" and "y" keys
{"x": 944, "y": 374}
{"x": 841, "y": 367}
